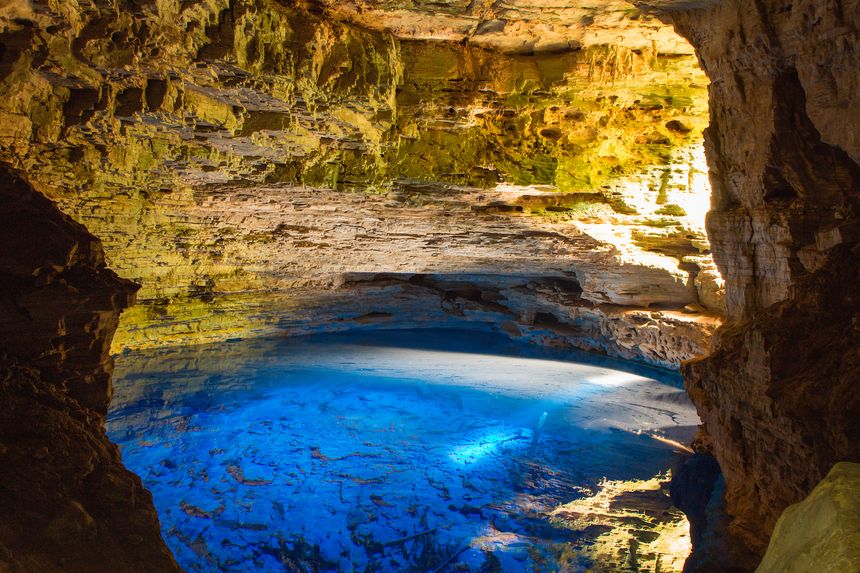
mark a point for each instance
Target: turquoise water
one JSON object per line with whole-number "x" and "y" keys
{"x": 395, "y": 451}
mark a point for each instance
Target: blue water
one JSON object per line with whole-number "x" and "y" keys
{"x": 398, "y": 451}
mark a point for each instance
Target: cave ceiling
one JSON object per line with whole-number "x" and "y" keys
{"x": 516, "y": 26}
{"x": 245, "y": 161}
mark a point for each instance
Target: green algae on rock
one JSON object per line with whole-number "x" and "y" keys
{"x": 822, "y": 532}
{"x": 140, "y": 124}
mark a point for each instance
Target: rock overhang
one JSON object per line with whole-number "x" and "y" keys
{"x": 199, "y": 157}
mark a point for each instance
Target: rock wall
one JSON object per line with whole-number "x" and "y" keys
{"x": 822, "y": 532}
{"x": 422, "y": 257}
{"x": 778, "y": 398}
{"x": 516, "y": 26}
{"x": 238, "y": 158}
{"x": 66, "y": 501}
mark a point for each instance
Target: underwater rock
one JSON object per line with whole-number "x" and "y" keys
{"x": 626, "y": 525}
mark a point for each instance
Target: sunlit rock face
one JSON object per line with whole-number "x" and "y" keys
{"x": 262, "y": 168}
{"x": 779, "y": 398}
{"x": 515, "y": 27}
{"x": 67, "y": 503}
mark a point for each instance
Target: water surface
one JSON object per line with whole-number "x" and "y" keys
{"x": 392, "y": 451}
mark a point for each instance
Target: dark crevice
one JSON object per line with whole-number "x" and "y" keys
{"x": 156, "y": 89}
{"x": 776, "y": 188}
{"x": 128, "y": 102}
{"x": 801, "y": 164}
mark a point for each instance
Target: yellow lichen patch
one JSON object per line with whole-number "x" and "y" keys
{"x": 187, "y": 320}
{"x": 15, "y": 131}
{"x": 211, "y": 109}
{"x": 370, "y": 133}
{"x": 639, "y": 530}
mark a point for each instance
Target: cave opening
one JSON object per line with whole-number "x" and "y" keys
{"x": 284, "y": 180}
{"x": 188, "y": 187}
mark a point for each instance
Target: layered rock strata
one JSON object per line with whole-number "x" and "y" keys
{"x": 516, "y": 26}
{"x": 778, "y": 397}
{"x": 425, "y": 256}
{"x": 204, "y": 144}
{"x": 66, "y": 501}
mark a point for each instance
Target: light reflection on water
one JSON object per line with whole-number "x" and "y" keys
{"x": 382, "y": 452}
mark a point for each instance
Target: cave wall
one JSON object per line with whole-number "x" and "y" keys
{"x": 239, "y": 159}
{"x": 779, "y": 398}
{"x": 66, "y": 501}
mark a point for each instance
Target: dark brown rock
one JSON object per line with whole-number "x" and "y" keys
{"x": 60, "y": 304}
{"x": 779, "y": 398}
{"x": 66, "y": 501}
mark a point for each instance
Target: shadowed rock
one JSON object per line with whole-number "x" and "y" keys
{"x": 66, "y": 502}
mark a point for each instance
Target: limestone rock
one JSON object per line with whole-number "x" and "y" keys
{"x": 822, "y": 532}
{"x": 776, "y": 396}
{"x": 236, "y": 160}
{"x": 518, "y": 26}
{"x": 67, "y": 503}
{"x": 430, "y": 263}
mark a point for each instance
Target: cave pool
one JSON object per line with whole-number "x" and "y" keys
{"x": 420, "y": 450}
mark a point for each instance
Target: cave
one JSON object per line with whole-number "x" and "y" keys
{"x": 430, "y": 286}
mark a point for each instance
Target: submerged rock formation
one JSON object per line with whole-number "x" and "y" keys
{"x": 778, "y": 397}
{"x": 66, "y": 501}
